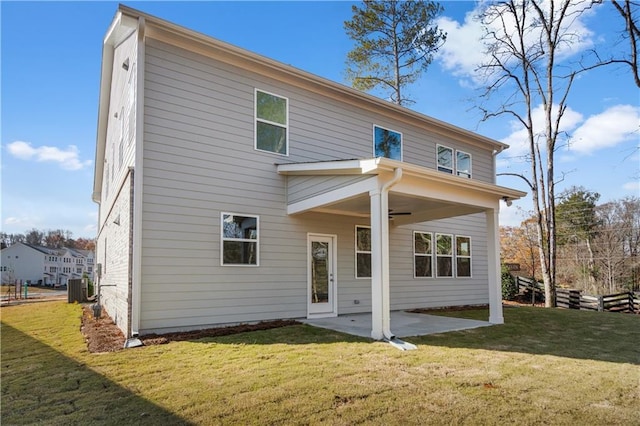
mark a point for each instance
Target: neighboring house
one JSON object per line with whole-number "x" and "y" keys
{"x": 233, "y": 188}
{"x": 41, "y": 265}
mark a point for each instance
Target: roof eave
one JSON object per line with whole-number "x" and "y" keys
{"x": 324, "y": 85}
{"x": 372, "y": 166}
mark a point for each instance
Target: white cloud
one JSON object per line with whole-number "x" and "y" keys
{"x": 633, "y": 186}
{"x": 68, "y": 159}
{"x": 518, "y": 140}
{"x": 612, "y": 127}
{"x": 14, "y": 220}
{"x": 464, "y": 50}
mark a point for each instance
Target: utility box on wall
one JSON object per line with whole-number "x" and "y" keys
{"x": 77, "y": 291}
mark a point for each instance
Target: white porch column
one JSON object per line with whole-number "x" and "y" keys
{"x": 493, "y": 267}
{"x": 377, "y": 258}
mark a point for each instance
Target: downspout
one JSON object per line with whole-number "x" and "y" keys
{"x": 136, "y": 291}
{"x": 384, "y": 206}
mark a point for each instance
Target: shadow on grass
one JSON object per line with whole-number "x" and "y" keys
{"x": 599, "y": 336}
{"x": 293, "y": 334}
{"x": 41, "y": 385}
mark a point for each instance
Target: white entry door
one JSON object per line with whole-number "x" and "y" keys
{"x": 322, "y": 284}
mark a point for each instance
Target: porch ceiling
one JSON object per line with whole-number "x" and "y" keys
{"x": 424, "y": 193}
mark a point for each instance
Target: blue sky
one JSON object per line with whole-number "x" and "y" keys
{"x": 50, "y": 71}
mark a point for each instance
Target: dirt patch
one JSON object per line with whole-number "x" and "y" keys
{"x": 103, "y": 335}
{"x": 522, "y": 300}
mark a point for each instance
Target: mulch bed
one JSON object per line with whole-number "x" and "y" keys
{"x": 103, "y": 335}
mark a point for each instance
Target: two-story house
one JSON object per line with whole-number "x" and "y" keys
{"x": 46, "y": 266}
{"x": 233, "y": 188}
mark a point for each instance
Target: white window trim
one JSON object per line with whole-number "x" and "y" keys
{"x": 422, "y": 255}
{"x": 453, "y": 159}
{"x": 373, "y": 139}
{"x": 356, "y": 251}
{"x": 470, "y": 257}
{"x": 262, "y": 120}
{"x": 470, "y": 164}
{"x": 452, "y": 255}
{"x": 245, "y": 240}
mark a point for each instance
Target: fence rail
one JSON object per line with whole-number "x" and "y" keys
{"x": 574, "y": 299}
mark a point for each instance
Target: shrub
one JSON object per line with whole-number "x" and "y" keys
{"x": 509, "y": 287}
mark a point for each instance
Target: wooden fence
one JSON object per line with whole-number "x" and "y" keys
{"x": 574, "y": 299}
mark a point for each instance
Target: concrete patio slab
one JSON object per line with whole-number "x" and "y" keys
{"x": 403, "y": 324}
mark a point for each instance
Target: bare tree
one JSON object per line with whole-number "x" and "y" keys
{"x": 630, "y": 14}
{"x": 34, "y": 237}
{"x": 526, "y": 40}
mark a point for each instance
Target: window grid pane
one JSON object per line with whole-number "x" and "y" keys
{"x": 387, "y": 143}
{"x": 239, "y": 239}
{"x": 463, "y": 164}
{"x": 271, "y": 123}
{"x": 363, "y": 252}
{"x": 463, "y": 256}
{"x": 444, "y": 258}
{"x": 271, "y": 108}
{"x": 445, "y": 159}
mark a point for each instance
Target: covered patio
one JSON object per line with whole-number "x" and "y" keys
{"x": 378, "y": 189}
{"x": 405, "y": 324}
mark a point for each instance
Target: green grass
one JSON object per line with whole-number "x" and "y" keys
{"x": 542, "y": 367}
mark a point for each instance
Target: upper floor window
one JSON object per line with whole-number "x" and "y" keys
{"x": 387, "y": 143}
{"x": 446, "y": 157}
{"x": 463, "y": 164}
{"x": 272, "y": 123}
{"x": 363, "y": 252}
{"x": 239, "y": 239}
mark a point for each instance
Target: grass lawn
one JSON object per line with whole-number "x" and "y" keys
{"x": 542, "y": 367}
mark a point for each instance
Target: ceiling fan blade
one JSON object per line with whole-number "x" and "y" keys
{"x": 392, "y": 213}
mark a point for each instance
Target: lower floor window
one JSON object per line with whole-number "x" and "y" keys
{"x": 239, "y": 239}
{"x": 422, "y": 254}
{"x": 444, "y": 255}
{"x": 452, "y": 255}
{"x": 363, "y": 252}
{"x": 463, "y": 256}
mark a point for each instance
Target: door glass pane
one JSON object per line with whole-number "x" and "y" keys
{"x": 319, "y": 272}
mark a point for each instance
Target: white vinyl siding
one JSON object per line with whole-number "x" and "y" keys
{"x": 200, "y": 161}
